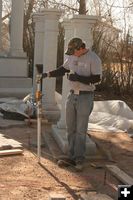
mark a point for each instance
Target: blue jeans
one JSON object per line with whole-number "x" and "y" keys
{"x": 78, "y": 109}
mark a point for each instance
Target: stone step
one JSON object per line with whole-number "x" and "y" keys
{"x": 13, "y": 66}
{"x": 18, "y": 87}
{"x": 15, "y": 82}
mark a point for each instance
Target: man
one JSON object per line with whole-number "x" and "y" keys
{"x": 83, "y": 68}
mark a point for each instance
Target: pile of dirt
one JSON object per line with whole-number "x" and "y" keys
{"x": 22, "y": 177}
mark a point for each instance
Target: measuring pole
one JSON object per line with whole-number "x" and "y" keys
{"x": 39, "y": 68}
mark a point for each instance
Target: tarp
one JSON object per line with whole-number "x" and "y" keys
{"x": 112, "y": 115}
{"x": 109, "y": 116}
{"x": 17, "y": 109}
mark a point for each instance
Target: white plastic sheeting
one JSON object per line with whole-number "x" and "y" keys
{"x": 113, "y": 115}
{"x": 23, "y": 107}
{"x": 109, "y": 116}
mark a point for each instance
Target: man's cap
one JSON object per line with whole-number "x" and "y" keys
{"x": 74, "y": 43}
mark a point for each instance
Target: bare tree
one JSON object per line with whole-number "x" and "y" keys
{"x": 82, "y": 7}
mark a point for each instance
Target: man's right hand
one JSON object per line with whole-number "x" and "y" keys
{"x": 44, "y": 75}
{"x": 72, "y": 77}
{"x": 38, "y": 78}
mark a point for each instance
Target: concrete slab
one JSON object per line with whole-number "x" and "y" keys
{"x": 61, "y": 139}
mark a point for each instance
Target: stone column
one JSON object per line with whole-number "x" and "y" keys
{"x": 16, "y": 35}
{"x": 69, "y": 31}
{"x": 77, "y": 26}
{"x": 38, "y": 19}
{"x": 14, "y": 79}
{"x": 51, "y": 20}
{"x": 0, "y": 26}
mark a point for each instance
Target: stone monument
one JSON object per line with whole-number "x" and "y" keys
{"x": 14, "y": 79}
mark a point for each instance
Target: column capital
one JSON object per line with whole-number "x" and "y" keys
{"x": 69, "y": 31}
{"x": 47, "y": 14}
{"x": 48, "y": 17}
{"x": 89, "y": 19}
{"x": 37, "y": 17}
{"x": 82, "y": 27}
{"x": 52, "y": 13}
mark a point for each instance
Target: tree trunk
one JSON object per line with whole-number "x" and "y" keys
{"x": 82, "y": 7}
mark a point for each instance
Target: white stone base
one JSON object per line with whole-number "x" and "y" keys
{"x": 52, "y": 115}
{"x": 13, "y": 67}
{"x": 61, "y": 139}
{"x": 17, "y": 87}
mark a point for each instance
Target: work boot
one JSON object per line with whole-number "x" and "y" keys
{"x": 66, "y": 162}
{"x": 79, "y": 166}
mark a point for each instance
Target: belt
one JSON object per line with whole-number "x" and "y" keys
{"x": 81, "y": 92}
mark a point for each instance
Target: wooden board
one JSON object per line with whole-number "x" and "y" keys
{"x": 8, "y": 143}
{"x": 11, "y": 152}
{"x": 119, "y": 174}
{"x": 95, "y": 196}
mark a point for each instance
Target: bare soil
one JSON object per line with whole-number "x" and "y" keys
{"x": 23, "y": 178}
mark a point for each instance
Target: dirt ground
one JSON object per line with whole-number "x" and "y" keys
{"x": 23, "y": 178}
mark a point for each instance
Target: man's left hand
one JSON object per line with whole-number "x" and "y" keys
{"x": 38, "y": 78}
{"x": 72, "y": 77}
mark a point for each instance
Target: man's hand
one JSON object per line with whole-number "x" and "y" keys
{"x": 38, "y": 78}
{"x": 44, "y": 75}
{"x": 72, "y": 77}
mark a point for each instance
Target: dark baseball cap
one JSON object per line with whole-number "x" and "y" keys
{"x": 74, "y": 43}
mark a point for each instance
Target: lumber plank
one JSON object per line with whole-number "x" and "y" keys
{"x": 95, "y": 196}
{"x": 10, "y": 152}
{"x": 9, "y": 144}
{"x": 5, "y": 146}
{"x": 119, "y": 174}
